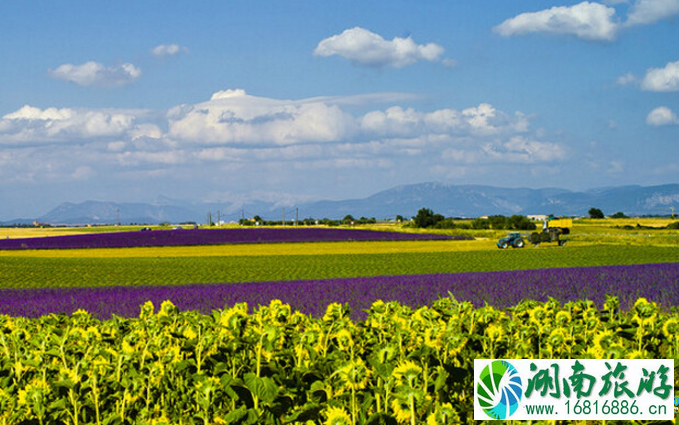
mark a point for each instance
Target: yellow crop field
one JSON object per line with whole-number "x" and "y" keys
{"x": 32, "y": 232}
{"x": 658, "y": 222}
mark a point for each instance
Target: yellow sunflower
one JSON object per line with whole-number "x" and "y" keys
{"x": 405, "y": 404}
{"x": 562, "y": 318}
{"x": 645, "y": 312}
{"x": 146, "y": 310}
{"x": 355, "y": 375}
{"x": 337, "y": 416}
{"x": 167, "y": 308}
{"x": 407, "y": 372}
{"x": 494, "y": 332}
{"x": 344, "y": 339}
{"x": 603, "y": 342}
{"x": 559, "y": 340}
{"x": 671, "y": 328}
{"x": 538, "y": 316}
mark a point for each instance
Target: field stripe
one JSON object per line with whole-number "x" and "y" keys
{"x": 42, "y": 272}
{"x": 233, "y": 250}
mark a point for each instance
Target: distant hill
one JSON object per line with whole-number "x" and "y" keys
{"x": 95, "y": 212}
{"x": 446, "y": 199}
{"x": 475, "y": 201}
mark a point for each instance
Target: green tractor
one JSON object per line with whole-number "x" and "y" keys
{"x": 515, "y": 240}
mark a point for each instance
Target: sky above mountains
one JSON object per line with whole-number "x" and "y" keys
{"x": 208, "y": 101}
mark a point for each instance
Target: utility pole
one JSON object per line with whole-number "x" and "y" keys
{"x": 219, "y": 218}
{"x": 283, "y": 216}
{"x": 242, "y": 220}
{"x": 296, "y": 217}
{"x": 117, "y": 217}
{"x": 209, "y": 219}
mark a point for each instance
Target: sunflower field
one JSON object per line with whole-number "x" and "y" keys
{"x": 275, "y": 365}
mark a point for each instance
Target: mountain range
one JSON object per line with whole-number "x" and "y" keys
{"x": 446, "y": 199}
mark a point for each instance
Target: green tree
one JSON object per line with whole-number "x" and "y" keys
{"x": 424, "y": 218}
{"x": 348, "y": 219}
{"x": 595, "y": 213}
{"x": 498, "y": 222}
{"x": 520, "y": 222}
{"x": 446, "y": 223}
{"x": 481, "y": 223}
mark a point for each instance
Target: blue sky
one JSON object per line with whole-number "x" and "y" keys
{"x": 298, "y": 100}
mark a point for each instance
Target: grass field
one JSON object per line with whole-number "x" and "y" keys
{"x": 591, "y": 243}
{"x": 73, "y": 271}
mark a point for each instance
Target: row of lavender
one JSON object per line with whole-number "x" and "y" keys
{"x": 657, "y": 282}
{"x": 184, "y": 237}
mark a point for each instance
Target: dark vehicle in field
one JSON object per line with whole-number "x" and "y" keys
{"x": 515, "y": 240}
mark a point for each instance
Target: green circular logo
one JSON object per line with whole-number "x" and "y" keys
{"x": 499, "y": 390}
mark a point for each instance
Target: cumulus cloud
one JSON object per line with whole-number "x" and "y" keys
{"x": 589, "y": 21}
{"x": 165, "y": 50}
{"x": 96, "y": 74}
{"x": 234, "y": 117}
{"x": 31, "y": 124}
{"x": 662, "y": 116}
{"x": 662, "y": 79}
{"x": 650, "y": 11}
{"x": 363, "y": 47}
{"x": 481, "y": 120}
{"x": 234, "y": 130}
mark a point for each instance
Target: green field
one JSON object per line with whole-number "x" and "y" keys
{"x": 42, "y": 272}
{"x": 591, "y": 243}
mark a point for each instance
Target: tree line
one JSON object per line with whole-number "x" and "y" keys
{"x": 426, "y": 218}
{"x": 348, "y": 220}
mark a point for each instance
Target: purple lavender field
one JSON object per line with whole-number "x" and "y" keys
{"x": 182, "y": 237}
{"x": 656, "y": 282}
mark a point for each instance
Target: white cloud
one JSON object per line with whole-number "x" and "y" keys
{"x": 234, "y": 129}
{"x": 28, "y": 112}
{"x": 662, "y": 116}
{"x": 516, "y": 149}
{"x": 234, "y": 117}
{"x": 97, "y": 75}
{"x": 140, "y": 157}
{"x": 228, "y": 94}
{"x": 627, "y": 79}
{"x": 482, "y": 120}
{"x": 150, "y": 131}
{"x": 165, "y": 50}
{"x": 366, "y": 48}
{"x": 650, "y": 11}
{"x": 526, "y": 150}
{"x": 31, "y": 124}
{"x": 662, "y": 79}
{"x": 589, "y": 21}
